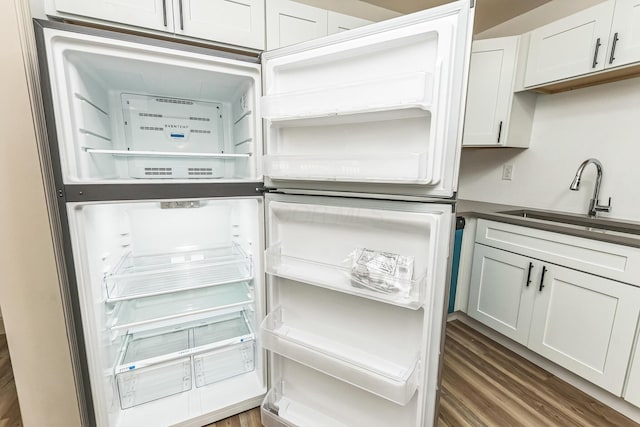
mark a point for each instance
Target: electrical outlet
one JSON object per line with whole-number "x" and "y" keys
{"x": 507, "y": 172}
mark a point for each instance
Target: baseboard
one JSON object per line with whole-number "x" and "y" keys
{"x": 581, "y": 384}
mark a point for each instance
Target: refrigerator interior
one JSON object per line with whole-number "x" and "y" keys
{"x": 128, "y": 112}
{"x": 171, "y": 299}
{"x": 377, "y": 106}
{"x": 361, "y": 332}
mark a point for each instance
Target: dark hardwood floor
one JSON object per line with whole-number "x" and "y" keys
{"x": 483, "y": 384}
{"x": 9, "y": 409}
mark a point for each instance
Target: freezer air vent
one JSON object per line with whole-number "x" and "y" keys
{"x": 149, "y": 115}
{"x": 200, "y": 171}
{"x": 200, "y": 131}
{"x": 158, "y": 171}
{"x": 175, "y": 101}
{"x": 151, "y": 128}
{"x": 200, "y": 119}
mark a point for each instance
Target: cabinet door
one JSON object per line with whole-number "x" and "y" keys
{"x": 238, "y": 22}
{"x": 289, "y": 22}
{"x": 338, "y": 22}
{"x": 501, "y": 295}
{"x": 586, "y": 324}
{"x": 153, "y": 14}
{"x": 569, "y": 47}
{"x": 490, "y": 91}
{"x": 625, "y": 34}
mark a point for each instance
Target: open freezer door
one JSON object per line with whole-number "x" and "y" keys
{"x": 377, "y": 109}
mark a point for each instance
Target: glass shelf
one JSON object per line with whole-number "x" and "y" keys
{"x": 339, "y": 278}
{"x": 409, "y": 91}
{"x": 362, "y": 369}
{"x": 144, "y": 276}
{"x": 196, "y": 302}
{"x": 278, "y": 410}
{"x": 407, "y": 168}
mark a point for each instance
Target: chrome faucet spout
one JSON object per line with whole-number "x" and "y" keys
{"x": 594, "y": 203}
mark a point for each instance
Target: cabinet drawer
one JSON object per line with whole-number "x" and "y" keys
{"x": 610, "y": 260}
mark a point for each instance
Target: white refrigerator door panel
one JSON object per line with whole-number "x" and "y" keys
{"x": 332, "y": 310}
{"x": 375, "y": 109}
{"x": 186, "y": 279}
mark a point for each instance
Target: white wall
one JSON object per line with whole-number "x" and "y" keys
{"x": 601, "y": 121}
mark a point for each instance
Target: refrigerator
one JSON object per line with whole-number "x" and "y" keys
{"x": 273, "y": 231}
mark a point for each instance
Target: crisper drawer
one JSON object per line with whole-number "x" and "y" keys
{"x": 605, "y": 259}
{"x": 225, "y": 363}
{"x": 154, "y": 382}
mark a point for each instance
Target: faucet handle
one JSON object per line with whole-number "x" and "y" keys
{"x": 603, "y": 208}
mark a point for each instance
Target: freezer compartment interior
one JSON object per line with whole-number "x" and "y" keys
{"x": 396, "y": 380}
{"x": 338, "y": 234}
{"x": 293, "y": 403}
{"x": 369, "y": 109}
{"x": 127, "y": 111}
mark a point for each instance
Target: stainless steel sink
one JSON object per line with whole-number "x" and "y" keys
{"x": 581, "y": 221}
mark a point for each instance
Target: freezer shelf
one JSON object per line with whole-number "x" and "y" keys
{"x": 278, "y": 410}
{"x": 410, "y": 90}
{"x": 339, "y": 278}
{"x": 142, "y": 311}
{"x": 362, "y": 369}
{"x": 143, "y": 276}
{"x": 157, "y": 364}
{"x": 138, "y": 153}
{"x": 378, "y": 168}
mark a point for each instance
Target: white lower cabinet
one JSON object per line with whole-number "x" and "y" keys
{"x": 586, "y": 324}
{"x": 582, "y": 322}
{"x": 500, "y": 296}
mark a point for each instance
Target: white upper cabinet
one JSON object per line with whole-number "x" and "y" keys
{"x": 338, "y": 22}
{"x": 238, "y": 22}
{"x": 376, "y": 109}
{"x": 289, "y": 22}
{"x": 495, "y": 115}
{"x": 575, "y": 45}
{"x": 625, "y": 34}
{"x": 152, "y": 14}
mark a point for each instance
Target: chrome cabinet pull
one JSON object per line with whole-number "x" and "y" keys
{"x": 544, "y": 270}
{"x": 164, "y": 12}
{"x": 182, "y": 17}
{"x": 529, "y": 274}
{"x": 613, "y": 48}
{"x": 595, "y": 54}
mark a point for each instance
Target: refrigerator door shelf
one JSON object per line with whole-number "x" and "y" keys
{"x": 412, "y": 90}
{"x": 183, "y": 306}
{"x": 384, "y": 378}
{"x": 149, "y": 275}
{"x": 392, "y": 168}
{"x": 405, "y": 293}
{"x": 141, "y": 350}
{"x": 278, "y": 410}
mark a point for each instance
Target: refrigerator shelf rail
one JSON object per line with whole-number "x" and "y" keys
{"x": 149, "y": 275}
{"x": 339, "y": 278}
{"x": 182, "y": 306}
{"x": 409, "y": 90}
{"x": 362, "y": 369}
{"x": 279, "y": 410}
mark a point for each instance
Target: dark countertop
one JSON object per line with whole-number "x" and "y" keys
{"x": 610, "y": 230}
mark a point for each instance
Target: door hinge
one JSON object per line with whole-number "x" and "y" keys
{"x": 60, "y": 193}
{"x": 263, "y": 190}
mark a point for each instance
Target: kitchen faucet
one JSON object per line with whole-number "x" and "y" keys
{"x": 594, "y": 205}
